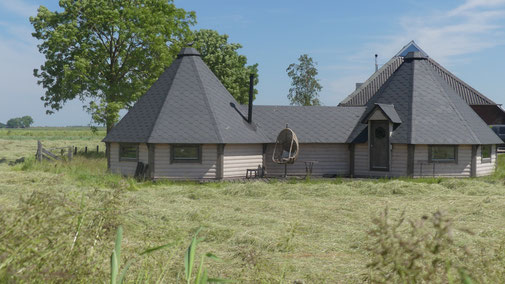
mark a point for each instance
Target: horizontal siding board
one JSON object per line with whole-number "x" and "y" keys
{"x": 205, "y": 170}
{"x": 398, "y": 166}
{"x": 424, "y": 169}
{"x": 126, "y": 168}
{"x": 237, "y": 158}
{"x": 331, "y": 159}
{"x": 486, "y": 168}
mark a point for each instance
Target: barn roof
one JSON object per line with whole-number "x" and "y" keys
{"x": 431, "y": 111}
{"x": 187, "y": 104}
{"x": 369, "y": 88}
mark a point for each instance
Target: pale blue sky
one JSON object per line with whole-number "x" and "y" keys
{"x": 467, "y": 37}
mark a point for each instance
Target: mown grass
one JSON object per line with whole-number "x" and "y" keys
{"x": 313, "y": 231}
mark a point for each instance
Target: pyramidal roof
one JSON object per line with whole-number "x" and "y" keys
{"x": 369, "y": 88}
{"x": 430, "y": 110}
{"x": 187, "y": 104}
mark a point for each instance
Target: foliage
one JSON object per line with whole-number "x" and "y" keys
{"x": 115, "y": 258}
{"x": 226, "y": 63}
{"x": 201, "y": 276}
{"x": 55, "y": 237}
{"x": 425, "y": 251}
{"x": 19, "y": 122}
{"x": 106, "y": 52}
{"x": 304, "y": 84}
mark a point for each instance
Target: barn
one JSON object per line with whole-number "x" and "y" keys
{"x": 412, "y": 118}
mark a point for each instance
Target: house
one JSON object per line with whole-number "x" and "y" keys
{"x": 412, "y": 118}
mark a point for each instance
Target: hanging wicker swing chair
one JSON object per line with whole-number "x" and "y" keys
{"x": 286, "y": 148}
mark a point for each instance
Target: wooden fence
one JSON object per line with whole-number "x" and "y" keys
{"x": 52, "y": 155}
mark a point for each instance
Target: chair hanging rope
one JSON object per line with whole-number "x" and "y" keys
{"x": 286, "y": 148}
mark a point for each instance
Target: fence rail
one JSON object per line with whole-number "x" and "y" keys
{"x": 47, "y": 154}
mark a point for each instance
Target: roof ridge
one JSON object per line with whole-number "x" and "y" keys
{"x": 440, "y": 68}
{"x": 206, "y": 100}
{"x": 169, "y": 88}
{"x": 393, "y": 62}
{"x": 410, "y": 110}
{"x": 453, "y": 106}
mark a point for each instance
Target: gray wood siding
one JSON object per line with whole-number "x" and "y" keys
{"x": 240, "y": 157}
{"x": 398, "y": 162}
{"x": 126, "y": 168}
{"x": 332, "y": 159}
{"x": 486, "y": 168}
{"x": 204, "y": 170}
{"x": 461, "y": 169}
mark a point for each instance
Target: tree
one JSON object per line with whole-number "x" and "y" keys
{"x": 223, "y": 59}
{"x": 14, "y": 123}
{"x": 305, "y": 85}
{"x": 26, "y": 121}
{"x": 2, "y": 125}
{"x": 19, "y": 122}
{"x": 106, "y": 52}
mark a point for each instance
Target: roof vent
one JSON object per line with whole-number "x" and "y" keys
{"x": 415, "y": 55}
{"x": 188, "y": 51}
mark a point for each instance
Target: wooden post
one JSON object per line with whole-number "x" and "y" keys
{"x": 411, "y": 148}
{"x": 97, "y": 149}
{"x": 220, "y": 162}
{"x": 473, "y": 164}
{"x": 39, "y": 151}
{"x": 352, "y": 151}
{"x": 86, "y": 150}
{"x": 75, "y": 151}
{"x": 69, "y": 153}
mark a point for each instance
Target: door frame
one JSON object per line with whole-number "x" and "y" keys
{"x": 388, "y": 146}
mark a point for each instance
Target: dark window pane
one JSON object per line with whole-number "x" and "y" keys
{"x": 443, "y": 153}
{"x": 128, "y": 152}
{"x": 186, "y": 153}
{"x": 502, "y": 130}
{"x": 486, "y": 151}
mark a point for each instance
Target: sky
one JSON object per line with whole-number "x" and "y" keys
{"x": 466, "y": 37}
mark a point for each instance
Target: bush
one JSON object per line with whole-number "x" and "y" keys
{"x": 424, "y": 251}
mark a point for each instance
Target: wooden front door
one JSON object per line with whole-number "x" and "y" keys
{"x": 379, "y": 145}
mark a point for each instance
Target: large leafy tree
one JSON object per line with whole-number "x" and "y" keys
{"x": 305, "y": 86}
{"x": 227, "y": 64}
{"x": 106, "y": 52}
{"x": 20, "y": 122}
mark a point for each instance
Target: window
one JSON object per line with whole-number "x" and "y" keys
{"x": 485, "y": 153}
{"x": 502, "y": 130}
{"x": 128, "y": 152}
{"x": 443, "y": 154}
{"x": 186, "y": 154}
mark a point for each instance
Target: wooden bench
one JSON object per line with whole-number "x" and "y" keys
{"x": 249, "y": 173}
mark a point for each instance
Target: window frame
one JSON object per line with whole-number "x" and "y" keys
{"x": 128, "y": 145}
{"x": 488, "y": 159}
{"x": 443, "y": 161}
{"x": 173, "y": 160}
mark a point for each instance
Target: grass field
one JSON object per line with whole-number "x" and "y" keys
{"x": 58, "y": 222}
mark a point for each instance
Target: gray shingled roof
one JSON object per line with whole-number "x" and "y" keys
{"x": 187, "y": 104}
{"x": 388, "y": 110}
{"x": 430, "y": 109}
{"x": 312, "y": 124}
{"x": 369, "y": 88}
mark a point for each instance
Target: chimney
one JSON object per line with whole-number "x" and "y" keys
{"x": 376, "y": 65}
{"x": 251, "y": 95}
{"x": 358, "y": 85}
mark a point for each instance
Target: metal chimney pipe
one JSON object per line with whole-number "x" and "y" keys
{"x": 376, "y": 65}
{"x": 251, "y": 95}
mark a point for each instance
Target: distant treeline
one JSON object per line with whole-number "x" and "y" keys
{"x": 18, "y": 122}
